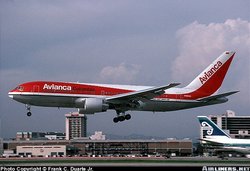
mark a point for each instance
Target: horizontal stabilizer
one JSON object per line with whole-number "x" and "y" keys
{"x": 205, "y": 99}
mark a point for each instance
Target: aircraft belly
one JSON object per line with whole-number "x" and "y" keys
{"x": 69, "y": 102}
{"x": 49, "y": 101}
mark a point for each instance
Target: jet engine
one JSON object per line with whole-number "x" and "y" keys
{"x": 91, "y": 105}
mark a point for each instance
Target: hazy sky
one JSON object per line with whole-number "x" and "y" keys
{"x": 142, "y": 42}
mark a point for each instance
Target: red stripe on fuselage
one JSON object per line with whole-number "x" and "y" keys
{"x": 67, "y": 88}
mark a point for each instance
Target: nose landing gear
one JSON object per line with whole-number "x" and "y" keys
{"x": 28, "y": 108}
{"x": 29, "y": 114}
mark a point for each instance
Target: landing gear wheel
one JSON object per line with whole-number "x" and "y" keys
{"x": 29, "y": 114}
{"x": 115, "y": 120}
{"x": 128, "y": 116}
{"x": 28, "y": 107}
{"x": 121, "y": 118}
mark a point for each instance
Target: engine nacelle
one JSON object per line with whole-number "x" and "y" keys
{"x": 91, "y": 105}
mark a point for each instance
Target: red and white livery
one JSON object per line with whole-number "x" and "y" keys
{"x": 93, "y": 98}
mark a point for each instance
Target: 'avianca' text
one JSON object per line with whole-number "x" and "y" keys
{"x": 209, "y": 73}
{"x": 56, "y": 87}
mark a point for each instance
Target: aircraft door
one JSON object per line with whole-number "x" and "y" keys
{"x": 35, "y": 88}
{"x": 102, "y": 92}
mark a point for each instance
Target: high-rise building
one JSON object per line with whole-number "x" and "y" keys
{"x": 235, "y": 126}
{"x": 76, "y": 126}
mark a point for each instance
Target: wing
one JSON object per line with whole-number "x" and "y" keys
{"x": 142, "y": 94}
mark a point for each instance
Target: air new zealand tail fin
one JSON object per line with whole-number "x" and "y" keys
{"x": 210, "y": 128}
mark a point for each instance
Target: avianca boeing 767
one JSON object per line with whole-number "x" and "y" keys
{"x": 93, "y": 98}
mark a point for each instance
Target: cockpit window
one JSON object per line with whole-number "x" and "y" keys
{"x": 20, "y": 88}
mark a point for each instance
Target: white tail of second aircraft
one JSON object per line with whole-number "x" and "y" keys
{"x": 216, "y": 137}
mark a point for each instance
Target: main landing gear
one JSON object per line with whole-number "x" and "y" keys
{"x": 121, "y": 117}
{"x": 28, "y": 107}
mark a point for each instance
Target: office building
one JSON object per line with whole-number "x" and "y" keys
{"x": 39, "y": 135}
{"x": 30, "y": 135}
{"x": 55, "y": 136}
{"x": 76, "y": 126}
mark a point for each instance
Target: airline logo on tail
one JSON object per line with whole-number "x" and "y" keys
{"x": 207, "y": 127}
{"x": 209, "y": 73}
{"x": 210, "y": 127}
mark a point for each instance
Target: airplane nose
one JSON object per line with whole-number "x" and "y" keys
{"x": 11, "y": 95}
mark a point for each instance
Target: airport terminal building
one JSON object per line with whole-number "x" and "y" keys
{"x": 100, "y": 147}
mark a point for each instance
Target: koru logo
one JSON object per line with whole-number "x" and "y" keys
{"x": 207, "y": 127}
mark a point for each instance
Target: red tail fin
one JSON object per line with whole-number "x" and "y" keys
{"x": 210, "y": 80}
